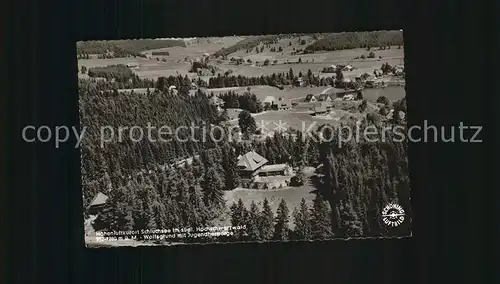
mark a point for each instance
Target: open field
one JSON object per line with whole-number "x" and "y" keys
{"x": 393, "y": 93}
{"x": 299, "y": 120}
{"x": 195, "y": 49}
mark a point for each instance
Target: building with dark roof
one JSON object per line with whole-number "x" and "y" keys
{"x": 250, "y": 163}
{"x": 319, "y": 110}
{"x": 324, "y": 98}
{"x": 311, "y": 98}
{"x": 98, "y": 204}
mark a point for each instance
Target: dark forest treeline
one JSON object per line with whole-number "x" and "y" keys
{"x": 349, "y": 40}
{"x": 328, "y": 42}
{"x": 124, "y": 48}
{"x": 118, "y": 72}
{"x": 247, "y": 43}
{"x": 275, "y": 79}
{"x": 246, "y": 101}
{"x": 132, "y": 83}
{"x": 123, "y": 74}
{"x": 160, "y": 53}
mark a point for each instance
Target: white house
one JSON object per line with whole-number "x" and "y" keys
{"x": 269, "y": 100}
{"x": 347, "y": 68}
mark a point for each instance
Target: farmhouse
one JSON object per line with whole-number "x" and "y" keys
{"x": 300, "y": 82}
{"x": 204, "y": 72}
{"x": 349, "y": 97}
{"x": 345, "y": 93}
{"x": 250, "y": 164}
{"x": 255, "y": 173}
{"x": 390, "y": 115}
{"x": 311, "y": 98}
{"x": 216, "y": 101}
{"x": 269, "y": 100}
{"x": 347, "y": 68}
{"x": 324, "y": 98}
{"x": 282, "y": 105}
{"x": 98, "y": 204}
{"x": 330, "y": 69}
{"x": 320, "y": 110}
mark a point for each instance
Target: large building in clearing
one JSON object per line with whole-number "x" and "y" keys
{"x": 255, "y": 173}
{"x": 250, "y": 164}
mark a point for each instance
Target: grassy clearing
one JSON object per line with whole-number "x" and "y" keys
{"x": 292, "y": 195}
{"x": 247, "y": 43}
{"x": 392, "y": 93}
{"x": 297, "y": 119}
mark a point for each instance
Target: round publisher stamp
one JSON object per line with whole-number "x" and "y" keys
{"x": 393, "y": 215}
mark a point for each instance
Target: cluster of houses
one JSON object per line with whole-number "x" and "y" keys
{"x": 271, "y": 102}
{"x": 335, "y": 68}
{"x": 348, "y": 95}
{"x": 323, "y": 109}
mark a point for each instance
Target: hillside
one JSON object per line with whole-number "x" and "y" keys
{"x": 247, "y": 43}
{"x": 350, "y": 40}
{"x": 131, "y": 47}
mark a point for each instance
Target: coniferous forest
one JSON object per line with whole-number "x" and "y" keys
{"x": 151, "y": 186}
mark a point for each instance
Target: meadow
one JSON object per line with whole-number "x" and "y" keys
{"x": 292, "y": 195}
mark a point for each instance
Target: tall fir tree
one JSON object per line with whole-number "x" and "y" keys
{"x": 281, "y": 229}
{"x": 351, "y": 226}
{"x": 302, "y": 221}
{"x": 212, "y": 186}
{"x": 266, "y": 221}
{"x": 197, "y": 211}
{"x": 252, "y": 222}
{"x": 239, "y": 217}
{"x": 229, "y": 167}
{"x": 321, "y": 226}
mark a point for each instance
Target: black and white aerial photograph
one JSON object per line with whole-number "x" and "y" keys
{"x": 256, "y": 138}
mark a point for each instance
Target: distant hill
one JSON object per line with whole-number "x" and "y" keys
{"x": 349, "y": 40}
{"x": 248, "y": 43}
{"x": 131, "y": 47}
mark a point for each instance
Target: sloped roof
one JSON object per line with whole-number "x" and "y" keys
{"x": 251, "y": 161}
{"x": 310, "y": 96}
{"x": 215, "y": 100}
{"x": 323, "y": 96}
{"x": 272, "y": 168}
{"x": 269, "y": 99}
{"x": 99, "y": 199}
